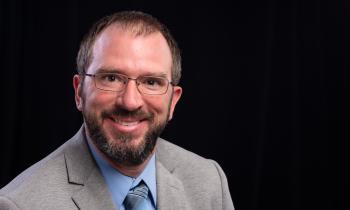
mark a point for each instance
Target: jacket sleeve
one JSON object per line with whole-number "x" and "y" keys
{"x": 227, "y": 203}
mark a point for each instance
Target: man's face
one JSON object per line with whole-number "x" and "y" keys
{"x": 125, "y": 125}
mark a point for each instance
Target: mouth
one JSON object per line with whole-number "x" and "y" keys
{"x": 126, "y": 122}
{"x": 128, "y": 125}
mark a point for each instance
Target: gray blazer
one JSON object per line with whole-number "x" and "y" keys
{"x": 69, "y": 179}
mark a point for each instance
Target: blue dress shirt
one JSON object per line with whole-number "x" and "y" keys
{"x": 119, "y": 184}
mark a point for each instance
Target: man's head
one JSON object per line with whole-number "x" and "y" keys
{"x": 141, "y": 24}
{"x": 124, "y": 123}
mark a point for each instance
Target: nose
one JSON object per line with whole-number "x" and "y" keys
{"x": 131, "y": 98}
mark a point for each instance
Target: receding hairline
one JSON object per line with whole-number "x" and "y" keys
{"x": 137, "y": 27}
{"x": 133, "y": 30}
{"x": 136, "y": 30}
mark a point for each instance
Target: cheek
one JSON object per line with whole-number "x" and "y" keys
{"x": 95, "y": 100}
{"x": 158, "y": 105}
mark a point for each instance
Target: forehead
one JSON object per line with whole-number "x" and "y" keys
{"x": 131, "y": 54}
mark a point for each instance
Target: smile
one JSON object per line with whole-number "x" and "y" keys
{"x": 126, "y": 123}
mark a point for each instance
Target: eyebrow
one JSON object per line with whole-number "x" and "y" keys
{"x": 108, "y": 70}
{"x": 117, "y": 71}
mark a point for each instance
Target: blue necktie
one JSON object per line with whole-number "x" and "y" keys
{"x": 137, "y": 198}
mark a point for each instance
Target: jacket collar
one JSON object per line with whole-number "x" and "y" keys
{"x": 82, "y": 170}
{"x": 170, "y": 190}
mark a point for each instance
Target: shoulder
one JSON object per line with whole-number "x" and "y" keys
{"x": 198, "y": 175}
{"x": 41, "y": 182}
{"x": 50, "y": 163}
{"x": 174, "y": 156}
{"x": 188, "y": 165}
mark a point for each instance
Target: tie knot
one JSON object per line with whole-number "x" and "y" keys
{"x": 137, "y": 197}
{"x": 140, "y": 190}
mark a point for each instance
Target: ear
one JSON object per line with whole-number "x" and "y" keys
{"x": 78, "y": 92}
{"x": 177, "y": 92}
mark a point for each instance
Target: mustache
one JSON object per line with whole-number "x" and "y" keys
{"x": 120, "y": 112}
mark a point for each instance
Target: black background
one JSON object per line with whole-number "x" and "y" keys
{"x": 266, "y": 90}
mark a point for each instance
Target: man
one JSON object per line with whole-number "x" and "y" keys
{"x": 127, "y": 88}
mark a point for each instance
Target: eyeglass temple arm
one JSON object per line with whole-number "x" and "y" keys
{"x": 90, "y": 75}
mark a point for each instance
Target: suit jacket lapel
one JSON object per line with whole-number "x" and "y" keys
{"x": 170, "y": 190}
{"x": 82, "y": 170}
{"x": 94, "y": 194}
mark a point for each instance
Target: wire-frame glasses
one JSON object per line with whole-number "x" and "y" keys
{"x": 149, "y": 85}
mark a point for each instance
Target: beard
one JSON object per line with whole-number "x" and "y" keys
{"x": 118, "y": 147}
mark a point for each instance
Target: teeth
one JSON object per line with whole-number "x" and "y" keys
{"x": 127, "y": 123}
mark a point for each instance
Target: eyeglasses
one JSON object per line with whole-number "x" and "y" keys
{"x": 117, "y": 82}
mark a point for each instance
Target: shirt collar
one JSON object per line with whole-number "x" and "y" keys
{"x": 120, "y": 184}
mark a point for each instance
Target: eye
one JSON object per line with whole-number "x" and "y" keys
{"x": 153, "y": 82}
{"x": 150, "y": 81}
{"x": 110, "y": 78}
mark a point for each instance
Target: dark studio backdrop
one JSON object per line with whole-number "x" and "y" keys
{"x": 266, "y": 91}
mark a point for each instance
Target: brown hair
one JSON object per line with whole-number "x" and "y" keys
{"x": 137, "y": 22}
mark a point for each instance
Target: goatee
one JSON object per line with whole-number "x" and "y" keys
{"x": 119, "y": 148}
